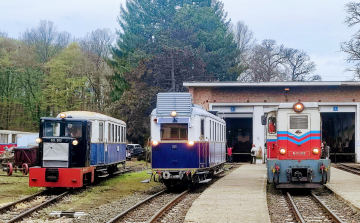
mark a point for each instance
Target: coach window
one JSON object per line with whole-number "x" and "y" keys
{"x": 109, "y": 128}
{"x": 202, "y": 128}
{"x": 272, "y": 125}
{"x": 215, "y": 133}
{"x": 124, "y": 132}
{"x": 116, "y": 134}
{"x": 119, "y": 134}
{"x": 101, "y": 131}
{"x": 112, "y": 133}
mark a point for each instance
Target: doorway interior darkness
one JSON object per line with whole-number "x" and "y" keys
{"x": 338, "y": 130}
{"x": 239, "y": 136}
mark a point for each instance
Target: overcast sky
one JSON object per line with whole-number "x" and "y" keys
{"x": 315, "y": 26}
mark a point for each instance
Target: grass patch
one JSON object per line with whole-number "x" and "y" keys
{"x": 13, "y": 188}
{"x": 108, "y": 191}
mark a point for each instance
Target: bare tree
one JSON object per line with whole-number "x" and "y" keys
{"x": 3, "y": 34}
{"x": 243, "y": 37}
{"x": 298, "y": 65}
{"x": 245, "y": 41}
{"x": 46, "y": 39}
{"x": 265, "y": 62}
{"x": 98, "y": 42}
{"x": 352, "y": 47}
{"x": 353, "y": 11}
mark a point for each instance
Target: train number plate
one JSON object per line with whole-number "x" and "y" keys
{"x": 299, "y": 153}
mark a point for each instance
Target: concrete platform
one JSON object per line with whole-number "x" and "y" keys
{"x": 346, "y": 185}
{"x": 238, "y": 197}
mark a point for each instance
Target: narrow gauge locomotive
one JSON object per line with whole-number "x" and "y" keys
{"x": 293, "y": 146}
{"x": 188, "y": 143}
{"x": 76, "y": 147}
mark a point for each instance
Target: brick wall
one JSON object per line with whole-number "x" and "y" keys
{"x": 205, "y": 95}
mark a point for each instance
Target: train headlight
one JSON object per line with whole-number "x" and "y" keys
{"x": 38, "y": 140}
{"x": 62, "y": 115}
{"x": 155, "y": 143}
{"x": 173, "y": 113}
{"x": 282, "y": 151}
{"x": 299, "y": 107}
{"x": 191, "y": 143}
{"x": 315, "y": 151}
{"x": 75, "y": 142}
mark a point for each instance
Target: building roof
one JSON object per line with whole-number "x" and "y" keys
{"x": 269, "y": 84}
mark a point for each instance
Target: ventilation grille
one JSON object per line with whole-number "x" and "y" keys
{"x": 299, "y": 122}
{"x": 168, "y": 102}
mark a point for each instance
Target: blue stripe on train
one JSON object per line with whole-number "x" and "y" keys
{"x": 298, "y": 137}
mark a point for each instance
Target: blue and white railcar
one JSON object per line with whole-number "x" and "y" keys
{"x": 188, "y": 143}
{"x": 76, "y": 147}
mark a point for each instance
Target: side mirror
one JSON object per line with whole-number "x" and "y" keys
{"x": 263, "y": 120}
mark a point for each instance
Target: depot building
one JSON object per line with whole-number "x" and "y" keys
{"x": 243, "y": 104}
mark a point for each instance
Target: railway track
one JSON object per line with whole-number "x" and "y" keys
{"x": 348, "y": 168}
{"x": 17, "y": 210}
{"x": 144, "y": 211}
{"x": 309, "y": 208}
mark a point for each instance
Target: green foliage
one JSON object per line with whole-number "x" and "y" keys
{"x": 66, "y": 84}
{"x": 154, "y": 25}
{"x": 20, "y": 95}
{"x": 209, "y": 35}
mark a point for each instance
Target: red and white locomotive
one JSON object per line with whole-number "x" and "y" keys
{"x": 293, "y": 144}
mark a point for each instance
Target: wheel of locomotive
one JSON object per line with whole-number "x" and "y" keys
{"x": 25, "y": 169}
{"x": 9, "y": 169}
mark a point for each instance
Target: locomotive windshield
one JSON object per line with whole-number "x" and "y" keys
{"x": 67, "y": 129}
{"x": 170, "y": 131}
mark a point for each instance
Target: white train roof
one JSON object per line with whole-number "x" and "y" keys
{"x": 91, "y": 116}
{"x": 195, "y": 110}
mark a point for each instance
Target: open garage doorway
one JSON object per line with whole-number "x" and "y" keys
{"x": 338, "y": 130}
{"x": 239, "y": 136}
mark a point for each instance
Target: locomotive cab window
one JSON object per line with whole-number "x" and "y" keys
{"x": 52, "y": 129}
{"x": 174, "y": 131}
{"x": 73, "y": 130}
{"x": 272, "y": 125}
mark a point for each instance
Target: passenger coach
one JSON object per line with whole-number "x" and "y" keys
{"x": 188, "y": 143}
{"x": 76, "y": 147}
{"x": 294, "y": 146}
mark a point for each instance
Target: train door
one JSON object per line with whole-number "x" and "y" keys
{"x": 299, "y": 136}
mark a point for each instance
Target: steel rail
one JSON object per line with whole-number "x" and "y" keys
{"x": 36, "y": 208}
{"x": 21, "y": 200}
{"x": 327, "y": 209}
{"x": 117, "y": 217}
{"x": 348, "y": 168}
{"x": 166, "y": 207}
{"x": 297, "y": 213}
